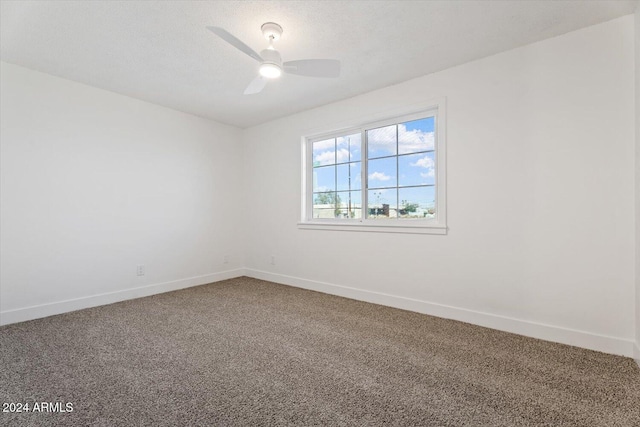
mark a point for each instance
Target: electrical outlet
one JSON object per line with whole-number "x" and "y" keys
{"x": 140, "y": 270}
{"x": 225, "y": 259}
{"x": 273, "y": 260}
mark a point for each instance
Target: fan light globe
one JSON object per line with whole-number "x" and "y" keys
{"x": 270, "y": 71}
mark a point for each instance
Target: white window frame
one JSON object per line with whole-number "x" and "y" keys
{"x": 436, "y": 225}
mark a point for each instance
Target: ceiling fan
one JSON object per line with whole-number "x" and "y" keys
{"x": 271, "y": 65}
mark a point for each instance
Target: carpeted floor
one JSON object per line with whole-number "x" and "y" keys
{"x": 247, "y": 352}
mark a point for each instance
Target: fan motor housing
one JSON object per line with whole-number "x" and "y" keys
{"x": 271, "y": 56}
{"x": 271, "y": 66}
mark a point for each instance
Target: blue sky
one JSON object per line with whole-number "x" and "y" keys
{"x": 399, "y": 156}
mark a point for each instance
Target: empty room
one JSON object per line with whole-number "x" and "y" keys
{"x": 340, "y": 213}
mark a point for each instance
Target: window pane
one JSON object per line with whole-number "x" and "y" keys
{"x": 349, "y": 202}
{"x": 356, "y": 176}
{"x": 341, "y": 204}
{"x": 417, "y": 202}
{"x": 324, "y": 178}
{"x": 417, "y": 169}
{"x": 324, "y": 152}
{"x": 416, "y": 136}
{"x": 349, "y": 177}
{"x": 381, "y": 142}
{"x": 324, "y": 213}
{"x": 382, "y": 173}
{"x": 382, "y": 204}
{"x": 356, "y": 213}
{"x": 326, "y": 204}
{"x": 352, "y": 144}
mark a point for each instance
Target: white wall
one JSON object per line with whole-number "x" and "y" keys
{"x": 540, "y": 197}
{"x": 95, "y": 183}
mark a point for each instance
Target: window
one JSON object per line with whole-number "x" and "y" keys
{"x": 382, "y": 176}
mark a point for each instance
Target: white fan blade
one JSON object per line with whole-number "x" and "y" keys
{"x": 234, "y": 41}
{"x": 313, "y": 67}
{"x": 256, "y": 85}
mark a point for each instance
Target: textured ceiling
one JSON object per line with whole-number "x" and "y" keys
{"x": 161, "y": 52}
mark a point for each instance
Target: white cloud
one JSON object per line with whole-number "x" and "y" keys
{"x": 379, "y": 176}
{"x": 345, "y": 140}
{"x": 323, "y": 145}
{"x": 326, "y": 157}
{"x": 424, "y": 162}
{"x": 329, "y": 157}
{"x": 343, "y": 155}
{"x": 427, "y": 163}
{"x": 382, "y": 139}
{"x": 410, "y": 141}
{"x": 415, "y": 140}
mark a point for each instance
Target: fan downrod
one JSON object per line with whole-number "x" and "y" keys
{"x": 271, "y": 31}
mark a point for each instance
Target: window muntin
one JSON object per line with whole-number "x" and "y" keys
{"x": 380, "y": 176}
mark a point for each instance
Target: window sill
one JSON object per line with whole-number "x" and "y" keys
{"x": 376, "y": 228}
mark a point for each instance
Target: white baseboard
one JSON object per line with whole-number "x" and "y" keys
{"x": 606, "y": 344}
{"x": 44, "y": 310}
{"x": 603, "y": 343}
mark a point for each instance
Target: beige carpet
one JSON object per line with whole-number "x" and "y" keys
{"x": 247, "y": 352}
